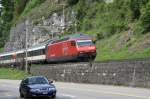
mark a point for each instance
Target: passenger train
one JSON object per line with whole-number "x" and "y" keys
{"x": 77, "y": 47}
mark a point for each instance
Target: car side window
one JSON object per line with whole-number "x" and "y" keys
{"x": 22, "y": 82}
{"x": 25, "y": 81}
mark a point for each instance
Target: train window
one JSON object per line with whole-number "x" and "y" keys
{"x": 34, "y": 53}
{"x": 37, "y": 52}
{"x": 43, "y": 51}
{"x": 84, "y": 43}
{"x": 2, "y": 58}
{"x": 7, "y": 57}
{"x": 73, "y": 43}
{"x": 29, "y": 53}
{"x": 20, "y": 55}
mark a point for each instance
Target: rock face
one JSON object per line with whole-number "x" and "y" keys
{"x": 44, "y": 29}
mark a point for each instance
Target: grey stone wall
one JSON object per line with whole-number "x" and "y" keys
{"x": 129, "y": 73}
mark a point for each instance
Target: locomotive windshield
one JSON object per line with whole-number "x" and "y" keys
{"x": 84, "y": 43}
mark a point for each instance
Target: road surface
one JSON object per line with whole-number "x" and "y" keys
{"x": 9, "y": 90}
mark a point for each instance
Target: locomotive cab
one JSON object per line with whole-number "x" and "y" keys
{"x": 86, "y": 49}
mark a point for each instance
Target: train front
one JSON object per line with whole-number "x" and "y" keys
{"x": 86, "y": 49}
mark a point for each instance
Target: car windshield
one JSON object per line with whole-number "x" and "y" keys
{"x": 84, "y": 43}
{"x": 38, "y": 80}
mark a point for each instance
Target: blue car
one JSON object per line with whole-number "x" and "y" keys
{"x": 37, "y": 86}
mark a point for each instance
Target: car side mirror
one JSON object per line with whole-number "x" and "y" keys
{"x": 24, "y": 84}
{"x": 50, "y": 81}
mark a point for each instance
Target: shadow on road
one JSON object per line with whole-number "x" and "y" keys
{"x": 11, "y": 98}
{"x": 58, "y": 97}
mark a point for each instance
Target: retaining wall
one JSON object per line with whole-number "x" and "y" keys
{"x": 129, "y": 73}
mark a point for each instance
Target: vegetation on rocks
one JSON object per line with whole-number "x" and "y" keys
{"x": 121, "y": 27}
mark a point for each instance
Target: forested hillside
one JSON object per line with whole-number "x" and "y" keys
{"x": 10, "y": 12}
{"x": 121, "y": 27}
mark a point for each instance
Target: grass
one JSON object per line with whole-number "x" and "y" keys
{"x": 8, "y": 73}
{"x": 107, "y": 49}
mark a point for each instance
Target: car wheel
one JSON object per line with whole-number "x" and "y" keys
{"x": 54, "y": 96}
{"x": 21, "y": 95}
{"x": 28, "y": 96}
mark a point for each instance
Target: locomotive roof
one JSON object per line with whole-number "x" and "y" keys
{"x": 77, "y": 35}
{"x": 72, "y": 36}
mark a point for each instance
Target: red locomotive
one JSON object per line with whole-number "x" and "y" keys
{"x": 71, "y": 48}
{"x": 77, "y": 47}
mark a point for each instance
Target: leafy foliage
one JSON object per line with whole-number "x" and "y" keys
{"x": 1, "y": 50}
{"x": 145, "y": 19}
{"x": 32, "y": 4}
{"x": 72, "y": 2}
{"x": 5, "y": 19}
{"x": 135, "y": 6}
{"x": 20, "y": 6}
{"x": 105, "y": 19}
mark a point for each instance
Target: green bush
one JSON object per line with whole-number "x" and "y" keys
{"x": 20, "y": 6}
{"x": 135, "y": 6}
{"x": 102, "y": 18}
{"x": 72, "y": 2}
{"x": 1, "y": 50}
{"x": 138, "y": 30}
{"x": 145, "y": 19}
{"x": 31, "y": 4}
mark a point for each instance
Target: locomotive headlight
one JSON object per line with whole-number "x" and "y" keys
{"x": 81, "y": 52}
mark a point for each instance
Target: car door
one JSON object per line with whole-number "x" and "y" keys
{"x": 25, "y": 87}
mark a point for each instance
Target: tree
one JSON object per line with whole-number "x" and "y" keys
{"x": 5, "y": 19}
{"x": 135, "y": 6}
{"x": 72, "y": 2}
{"x": 145, "y": 18}
{"x": 20, "y": 6}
